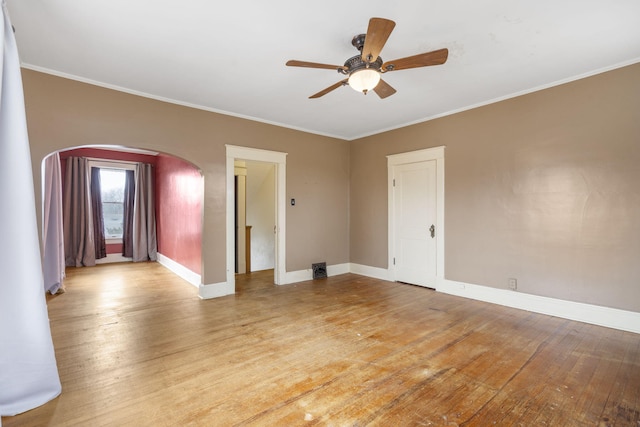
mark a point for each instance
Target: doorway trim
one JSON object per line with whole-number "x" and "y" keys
{"x": 437, "y": 154}
{"x": 280, "y": 160}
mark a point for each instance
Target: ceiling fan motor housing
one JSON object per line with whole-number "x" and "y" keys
{"x": 356, "y": 63}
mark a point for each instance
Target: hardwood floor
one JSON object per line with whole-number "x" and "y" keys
{"x": 135, "y": 346}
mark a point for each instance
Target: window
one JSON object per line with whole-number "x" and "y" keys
{"x": 112, "y": 191}
{"x": 112, "y": 183}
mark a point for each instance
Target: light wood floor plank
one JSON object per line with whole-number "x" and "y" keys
{"x": 136, "y": 347}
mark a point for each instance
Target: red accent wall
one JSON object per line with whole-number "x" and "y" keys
{"x": 97, "y": 153}
{"x": 179, "y": 193}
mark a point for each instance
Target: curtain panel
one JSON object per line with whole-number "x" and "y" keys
{"x": 127, "y": 220}
{"x": 96, "y": 215}
{"x": 28, "y": 371}
{"x": 144, "y": 216}
{"x": 79, "y": 238}
{"x": 53, "y": 260}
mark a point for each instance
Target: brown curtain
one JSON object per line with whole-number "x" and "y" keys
{"x": 96, "y": 212}
{"x": 127, "y": 220}
{"x": 144, "y": 216}
{"x": 79, "y": 247}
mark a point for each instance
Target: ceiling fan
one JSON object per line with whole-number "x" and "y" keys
{"x": 364, "y": 70}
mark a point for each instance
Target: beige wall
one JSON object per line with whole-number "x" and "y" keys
{"x": 63, "y": 113}
{"x": 544, "y": 188}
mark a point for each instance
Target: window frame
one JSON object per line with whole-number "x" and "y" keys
{"x": 112, "y": 164}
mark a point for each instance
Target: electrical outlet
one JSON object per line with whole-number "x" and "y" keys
{"x": 513, "y": 284}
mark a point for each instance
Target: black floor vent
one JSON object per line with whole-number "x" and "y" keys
{"x": 319, "y": 270}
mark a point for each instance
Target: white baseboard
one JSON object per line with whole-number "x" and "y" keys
{"x": 180, "y": 270}
{"x": 296, "y": 276}
{"x": 304, "y": 275}
{"x": 587, "y": 313}
{"x": 113, "y": 258}
{"x": 338, "y": 269}
{"x": 215, "y": 290}
{"x": 375, "y": 272}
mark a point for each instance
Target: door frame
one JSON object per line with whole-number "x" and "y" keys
{"x": 393, "y": 160}
{"x": 280, "y": 160}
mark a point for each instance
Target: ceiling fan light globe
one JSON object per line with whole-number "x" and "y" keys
{"x": 364, "y": 80}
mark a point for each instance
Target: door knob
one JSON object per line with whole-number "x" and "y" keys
{"x": 432, "y": 229}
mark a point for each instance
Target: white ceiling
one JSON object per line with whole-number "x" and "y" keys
{"x": 230, "y": 56}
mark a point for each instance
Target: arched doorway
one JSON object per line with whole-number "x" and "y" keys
{"x": 179, "y": 193}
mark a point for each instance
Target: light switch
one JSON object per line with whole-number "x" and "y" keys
{"x": 293, "y": 202}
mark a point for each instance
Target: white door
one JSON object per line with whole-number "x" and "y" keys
{"x": 416, "y": 231}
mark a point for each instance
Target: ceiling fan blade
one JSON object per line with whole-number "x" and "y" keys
{"x": 294, "y": 63}
{"x": 377, "y": 35}
{"x": 329, "y": 89}
{"x": 383, "y": 89}
{"x": 437, "y": 57}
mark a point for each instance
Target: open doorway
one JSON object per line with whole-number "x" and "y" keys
{"x": 236, "y": 228}
{"x": 255, "y": 219}
{"x": 178, "y": 195}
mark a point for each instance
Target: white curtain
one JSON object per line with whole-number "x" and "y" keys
{"x": 53, "y": 261}
{"x": 28, "y": 372}
{"x": 144, "y": 216}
